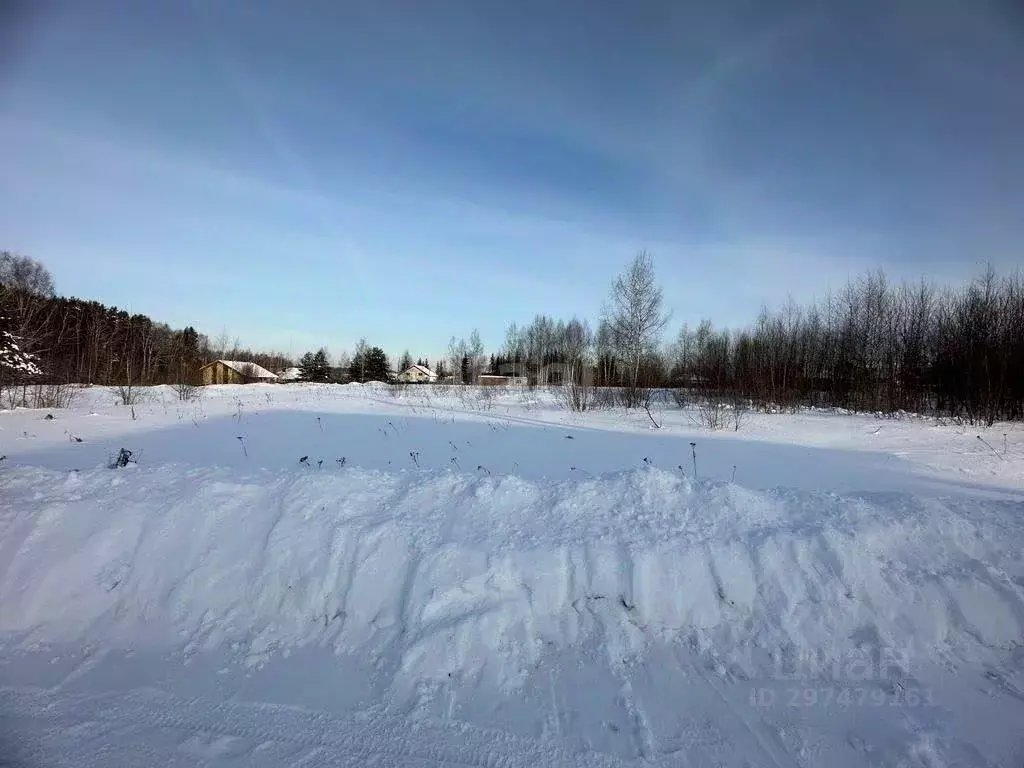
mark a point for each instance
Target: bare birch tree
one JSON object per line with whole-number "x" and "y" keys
{"x": 636, "y": 317}
{"x": 475, "y": 351}
{"x": 513, "y": 345}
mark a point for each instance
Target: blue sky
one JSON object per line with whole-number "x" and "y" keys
{"x": 309, "y": 173}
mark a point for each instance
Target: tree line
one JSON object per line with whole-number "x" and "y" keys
{"x": 86, "y": 342}
{"x": 873, "y": 346}
{"x": 366, "y": 364}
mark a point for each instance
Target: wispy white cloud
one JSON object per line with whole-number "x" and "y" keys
{"x": 361, "y": 154}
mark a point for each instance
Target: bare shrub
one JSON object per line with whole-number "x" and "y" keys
{"x": 15, "y": 397}
{"x": 127, "y": 394}
{"x": 186, "y": 391}
{"x": 711, "y": 412}
{"x": 738, "y": 412}
{"x": 481, "y": 397}
{"x": 603, "y": 397}
{"x": 485, "y": 397}
{"x": 623, "y": 397}
{"x": 646, "y": 397}
{"x": 577, "y": 396}
{"x": 464, "y": 395}
{"x": 639, "y": 396}
{"x": 680, "y": 397}
{"x": 528, "y": 397}
{"x": 53, "y": 395}
{"x": 41, "y": 396}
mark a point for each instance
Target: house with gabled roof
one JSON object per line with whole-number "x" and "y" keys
{"x": 235, "y": 372}
{"x": 416, "y": 374}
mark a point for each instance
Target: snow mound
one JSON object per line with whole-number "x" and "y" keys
{"x": 478, "y": 578}
{"x": 316, "y": 574}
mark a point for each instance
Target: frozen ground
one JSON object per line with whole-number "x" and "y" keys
{"x": 463, "y": 580}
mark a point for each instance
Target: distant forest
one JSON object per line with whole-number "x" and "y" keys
{"x": 873, "y": 347}
{"x": 86, "y": 342}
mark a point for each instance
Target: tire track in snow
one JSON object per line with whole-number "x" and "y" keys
{"x": 766, "y": 742}
{"x": 368, "y": 735}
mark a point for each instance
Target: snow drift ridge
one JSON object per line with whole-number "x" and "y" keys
{"x": 449, "y": 573}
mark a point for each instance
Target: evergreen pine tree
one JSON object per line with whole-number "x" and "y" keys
{"x": 355, "y": 368}
{"x": 370, "y": 365}
{"x": 406, "y": 362}
{"x": 377, "y": 367}
{"x": 321, "y": 366}
{"x": 15, "y": 363}
{"x": 307, "y": 367}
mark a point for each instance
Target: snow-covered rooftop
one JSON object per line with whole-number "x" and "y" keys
{"x": 247, "y": 369}
{"x": 422, "y": 369}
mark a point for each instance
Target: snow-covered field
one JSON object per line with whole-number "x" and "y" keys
{"x": 450, "y": 578}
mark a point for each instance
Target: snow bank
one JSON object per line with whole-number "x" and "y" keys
{"x": 489, "y": 582}
{"x": 457, "y": 575}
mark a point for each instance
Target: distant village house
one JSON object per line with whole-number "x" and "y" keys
{"x": 417, "y": 374}
{"x": 235, "y": 372}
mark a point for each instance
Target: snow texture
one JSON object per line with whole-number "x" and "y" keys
{"x": 314, "y": 574}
